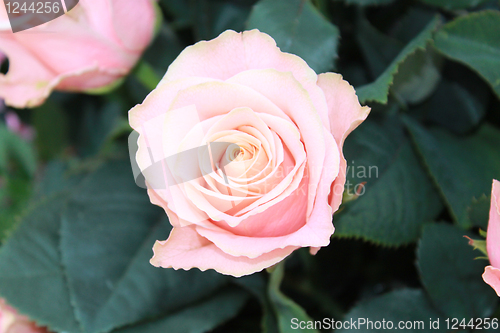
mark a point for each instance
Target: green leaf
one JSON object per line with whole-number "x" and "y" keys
{"x": 14, "y": 148}
{"x": 200, "y": 318}
{"x": 456, "y": 107}
{"x": 286, "y": 309}
{"x": 451, "y": 275}
{"x": 418, "y": 76}
{"x": 368, "y": 2}
{"x": 85, "y": 255}
{"x": 404, "y": 305}
{"x": 378, "y": 49}
{"x": 298, "y": 28}
{"x": 15, "y": 193}
{"x": 51, "y": 126}
{"x": 474, "y": 41}
{"x": 454, "y": 4}
{"x": 97, "y": 125}
{"x": 479, "y": 211}
{"x": 379, "y": 89}
{"x": 146, "y": 75}
{"x": 398, "y": 198}
{"x": 257, "y": 286}
{"x": 462, "y": 167}
{"x": 109, "y": 290}
{"x": 30, "y": 264}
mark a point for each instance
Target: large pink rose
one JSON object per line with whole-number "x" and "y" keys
{"x": 249, "y": 139}
{"x": 90, "y": 48}
{"x": 492, "y": 273}
{"x": 12, "y": 322}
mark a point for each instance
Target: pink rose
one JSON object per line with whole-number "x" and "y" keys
{"x": 249, "y": 139}
{"x": 12, "y": 322}
{"x": 491, "y": 273}
{"x": 89, "y": 48}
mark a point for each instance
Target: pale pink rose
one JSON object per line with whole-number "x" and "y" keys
{"x": 244, "y": 207}
{"x": 492, "y": 273}
{"x": 13, "y": 322}
{"x": 89, "y": 48}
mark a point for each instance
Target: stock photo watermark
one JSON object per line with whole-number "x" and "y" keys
{"x": 27, "y": 14}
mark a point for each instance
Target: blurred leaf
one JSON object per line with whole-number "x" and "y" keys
{"x": 368, "y": 2}
{"x": 378, "y": 49}
{"x": 56, "y": 178}
{"x": 474, "y": 41}
{"x": 229, "y": 15}
{"x": 412, "y": 23}
{"x": 30, "y": 264}
{"x": 479, "y": 212}
{"x": 98, "y": 123}
{"x": 398, "y": 198}
{"x": 85, "y": 255}
{"x": 451, "y": 275}
{"x": 51, "y": 126}
{"x": 180, "y": 10}
{"x": 298, "y": 28}
{"x": 456, "y": 107}
{"x": 15, "y": 192}
{"x": 257, "y": 286}
{"x": 454, "y": 4}
{"x": 203, "y": 317}
{"x": 418, "y": 76}
{"x": 146, "y": 75}
{"x": 379, "y": 89}
{"x": 166, "y": 44}
{"x": 404, "y": 305}
{"x": 14, "y": 148}
{"x": 462, "y": 167}
{"x": 286, "y": 309}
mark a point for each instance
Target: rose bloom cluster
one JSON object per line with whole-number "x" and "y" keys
{"x": 241, "y": 144}
{"x": 88, "y": 49}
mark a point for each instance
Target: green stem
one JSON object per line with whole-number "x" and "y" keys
{"x": 146, "y": 75}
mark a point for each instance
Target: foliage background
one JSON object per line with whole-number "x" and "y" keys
{"x": 76, "y": 232}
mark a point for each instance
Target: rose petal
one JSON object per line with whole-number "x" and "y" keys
{"x": 491, "y": 276}
{"x": 267, "y": 231}
{"x": 345, "y": 115}
{"x": 186, "y": 249}
{"x": 493, "y": 234}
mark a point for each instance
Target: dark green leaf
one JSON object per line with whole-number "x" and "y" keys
{"x": 456, "y": 107}
{"x": 379, "y": 89}
{"x": 200, "y": 318}
{"x": 378, "y": 49}
{"x": 85, "y": 255}
{"x": 418, "y": 76}
{"x": 298, "y": 28}
{"x": 474, "y": 41}
{"x": 462, "y": 167}
{"x": 257, "y": 286}
{"x": 451, "y": 275}
{"x": 368, "y": 2}
{"x": 286, "y": 309}
{"x": 454, "y": 4}
{"x": 51, "y": 126}
{"x": 30, "y": 264}
{"x": 409, "y": 306}
{"x": 398, "y": 198}
{"x": 108, "y": 283}
{"x": 479, "y": 212}
{"x": 14, "y": 149}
